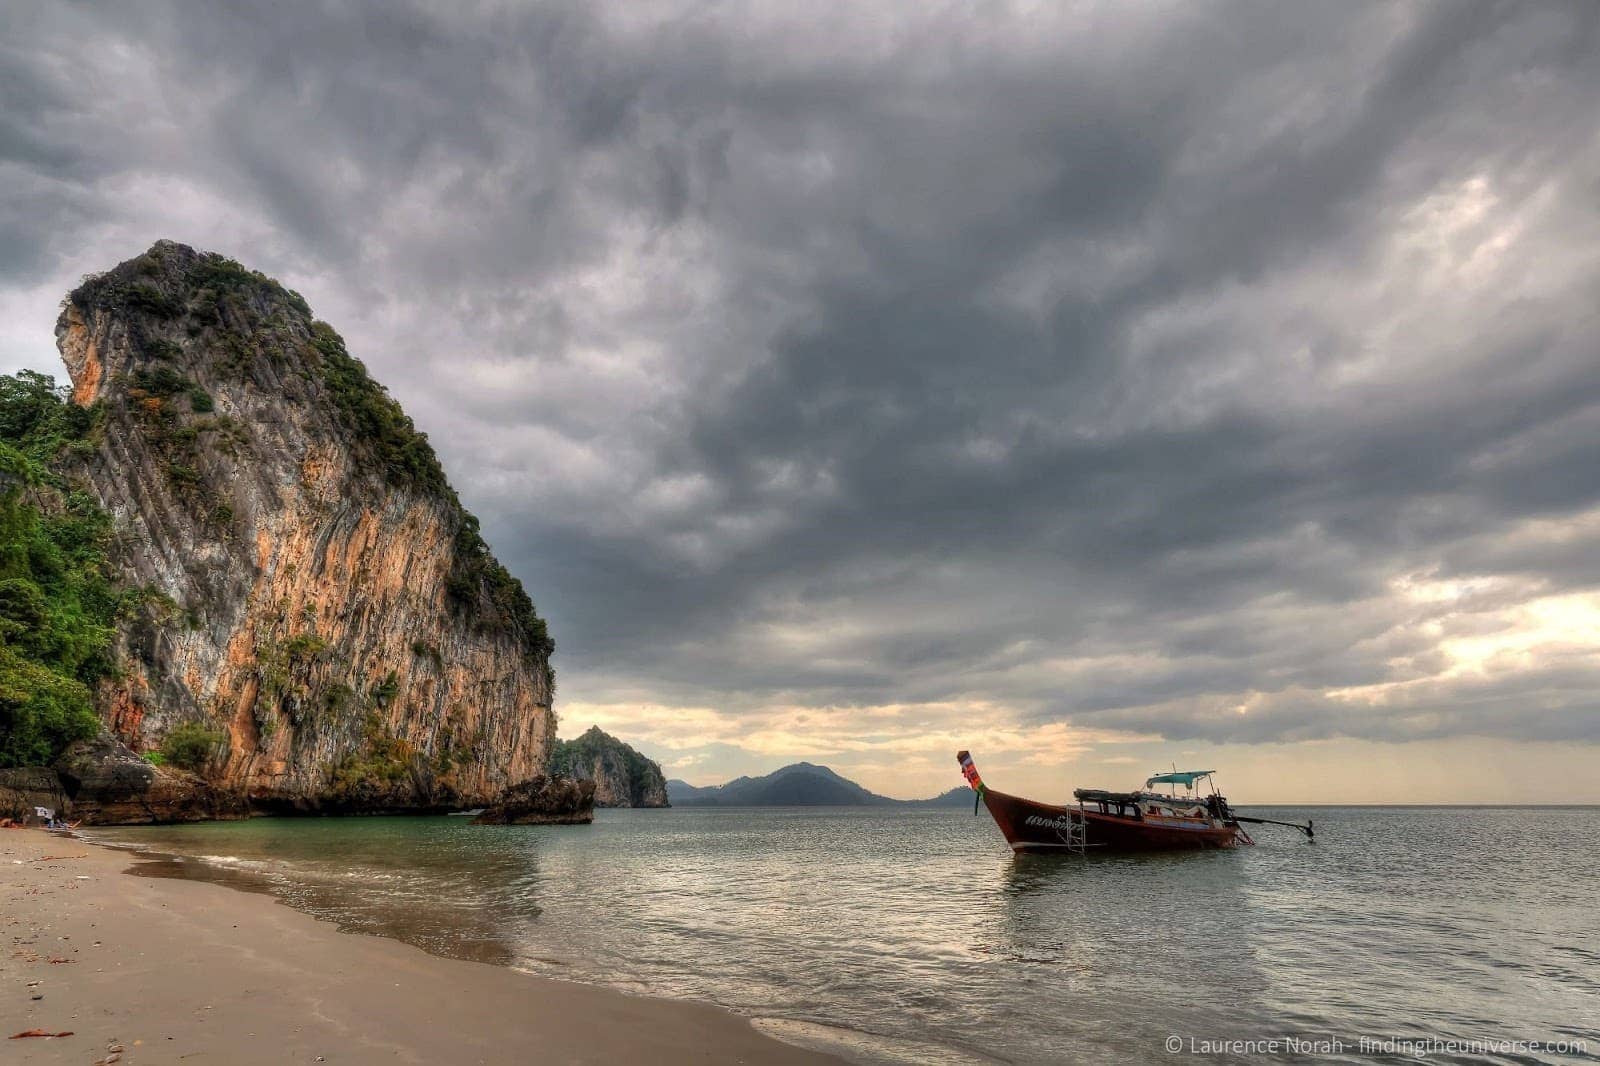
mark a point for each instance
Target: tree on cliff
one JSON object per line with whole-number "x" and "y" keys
{"x": 57, "y": 604}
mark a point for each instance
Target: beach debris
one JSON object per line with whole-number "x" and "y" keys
{"x": 39, "y": 1033}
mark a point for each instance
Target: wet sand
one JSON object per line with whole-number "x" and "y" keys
{"x": 169, "y": 971}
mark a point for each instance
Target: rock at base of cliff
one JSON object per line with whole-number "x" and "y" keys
{"x": 27, "y": 787}
{"x": 109, "y": 785}
{"x": 542, "y": 800}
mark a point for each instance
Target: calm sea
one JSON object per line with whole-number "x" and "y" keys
{"x": 916, "y": 936}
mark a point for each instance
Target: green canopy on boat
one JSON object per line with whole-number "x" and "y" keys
{"x": 1186, "y": 778}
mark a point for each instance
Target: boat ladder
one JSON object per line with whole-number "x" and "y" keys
{"x": 1077, "y": 836}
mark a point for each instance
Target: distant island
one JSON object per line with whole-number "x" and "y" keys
{"x": 800, "y": 784}
{"x": 622, "y": 776}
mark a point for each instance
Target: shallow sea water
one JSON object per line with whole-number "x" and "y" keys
{"x": 916, "y": 936}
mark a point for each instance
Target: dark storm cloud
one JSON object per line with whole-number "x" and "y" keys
{"x": 1223, "y": 372}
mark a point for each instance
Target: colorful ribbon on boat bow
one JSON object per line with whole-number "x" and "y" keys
{"x": 970, "y": 772}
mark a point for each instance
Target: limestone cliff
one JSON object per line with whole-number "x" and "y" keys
{"x": 319, "y": 613}
{"x": 622, "y": 777}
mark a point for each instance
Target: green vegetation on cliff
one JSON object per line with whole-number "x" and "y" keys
{"x": 57, "y": 603}
{"x": 575, "y": 757}
{"x": 478, "y": 582}
{"x": 383, "y": 762}
{"x": 376, "y": 419}
{"x": 623, "y": 777}
{"x": 190, "y": 745}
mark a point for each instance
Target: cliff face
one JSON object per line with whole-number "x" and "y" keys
{"x": 318, "y": 618}
{"x": 622, "y": 777}
{"x": 23, "y": 789}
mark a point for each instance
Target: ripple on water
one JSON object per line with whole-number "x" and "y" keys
{"x": 870, "y": 1049}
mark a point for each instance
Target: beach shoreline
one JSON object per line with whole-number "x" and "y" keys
{"x": 169, "y": 969}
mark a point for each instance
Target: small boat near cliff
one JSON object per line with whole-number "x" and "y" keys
{"x": 1142, "y": 820}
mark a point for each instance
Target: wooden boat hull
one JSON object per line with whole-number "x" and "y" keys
{"x": 1031, "y": 826}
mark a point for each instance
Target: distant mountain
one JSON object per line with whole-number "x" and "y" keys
{"x": 960, "y": 796}
{"x": 681, "y": 793}
{"x": 801, "y": 784}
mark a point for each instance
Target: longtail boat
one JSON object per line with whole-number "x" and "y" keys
{"x": 1142, "y": 820}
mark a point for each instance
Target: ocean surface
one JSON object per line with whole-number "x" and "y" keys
{"x": 916, "y": 936}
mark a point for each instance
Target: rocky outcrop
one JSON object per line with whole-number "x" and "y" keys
{"x": 553, "y": 799}
{"x": 109, "y": 785}
{"x": 25, "y": 788}
{"x": 305, "y": 582}
{"x": 622, "y": 777}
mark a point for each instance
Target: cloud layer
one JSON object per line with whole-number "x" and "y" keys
{"x": 846, "y": 381}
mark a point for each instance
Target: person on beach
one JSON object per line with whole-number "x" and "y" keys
{"x": 51, "y": 822}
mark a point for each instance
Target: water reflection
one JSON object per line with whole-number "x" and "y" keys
{"x": 1130, "y": 948}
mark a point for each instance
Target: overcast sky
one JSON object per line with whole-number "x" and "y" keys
{"x": 1096, "y": 386}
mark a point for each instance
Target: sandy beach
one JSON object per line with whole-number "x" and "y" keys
{"x": 179, "y": 971}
